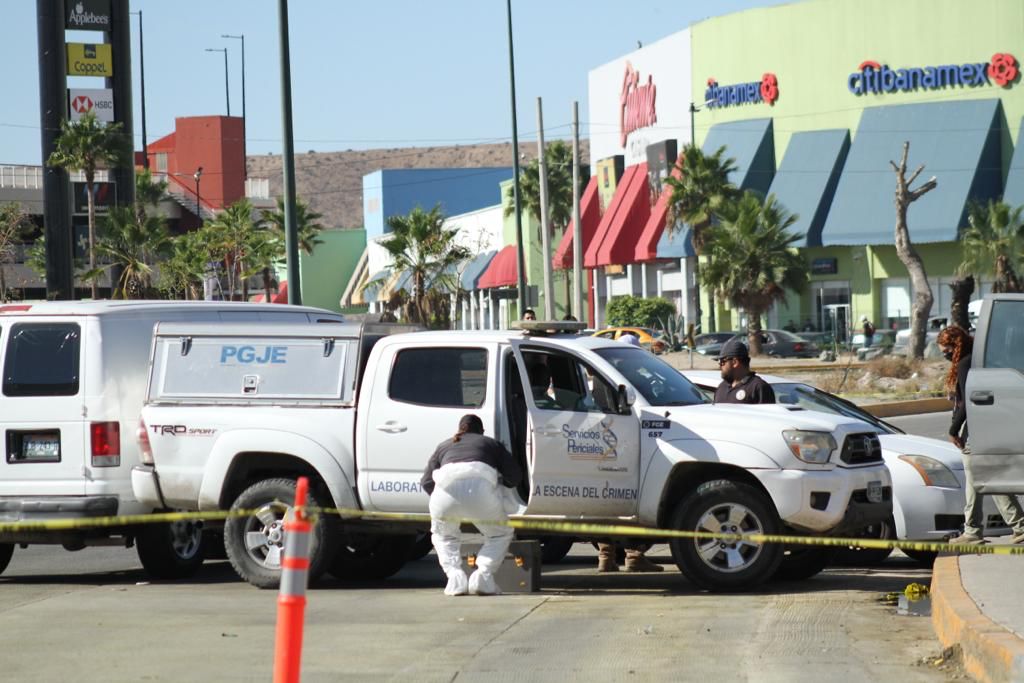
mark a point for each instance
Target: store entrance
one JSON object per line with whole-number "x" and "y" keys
{"x": 832, "y": 308}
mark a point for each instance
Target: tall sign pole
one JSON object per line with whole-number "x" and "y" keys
{"x": 521, "y": 279}
{"x": 545, "y": 234}
{"x": 121, "y": 84}
{"x": 577, "y": 229}
{"x": 142, "y": 94}
{"x": 288, "y": 160}
{"x": 53, "y": 82}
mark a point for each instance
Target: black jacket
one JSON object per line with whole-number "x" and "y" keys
{"x": 751, "y": 389}
{"x": 959, "y": 421}
{"x": 473, "y": 448}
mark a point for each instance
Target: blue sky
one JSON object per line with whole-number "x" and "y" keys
{"x": 384, "y": 73}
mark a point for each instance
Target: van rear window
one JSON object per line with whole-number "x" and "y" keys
{"x": 42, "y": 360}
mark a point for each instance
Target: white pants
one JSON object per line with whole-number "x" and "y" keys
{"x": 468, "y": 491}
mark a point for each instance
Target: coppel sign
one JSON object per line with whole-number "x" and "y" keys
{"x": 89, "y": 59}
{"x": 755, "y": 92}
{"x": 872, "y": 77}
{"x": 88, "y": 15}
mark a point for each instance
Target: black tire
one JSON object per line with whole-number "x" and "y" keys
{"x": 553, "y": 549}
{"x": 171, "y": 550}
{"x": 713, "y": 506}
{"x": 259, "y": 562}
{"x": 869, "y": 557}
{"x": 367, "y": 557}
{"x": 6, "y": 551}
{"x": 801, "y": 562}
{"x": 925, "y": 558}
{"x": 421, "y": 547}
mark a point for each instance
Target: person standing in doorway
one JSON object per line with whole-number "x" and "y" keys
{"x": 464, "y": 477}
{"x": 868, "y": 329}
{"x": 957, "y": 345}
{"x": 740, "y": 384}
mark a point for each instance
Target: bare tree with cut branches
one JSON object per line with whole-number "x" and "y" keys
{"x": 923, "y": 297}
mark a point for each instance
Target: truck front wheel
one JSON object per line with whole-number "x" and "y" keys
{"x": 171, "y": 550}
{"x": 255, "y": 541}
{"x": 724, "y": 506}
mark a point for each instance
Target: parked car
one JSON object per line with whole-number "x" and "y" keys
{"x": 902, "y": 342}
{"x": 654, "y": 341}
{"x": 882, "y": 343}
{"x": 710, "y": 343}
{"x": 783, "y": 344}
{"x": 927, "y": 474}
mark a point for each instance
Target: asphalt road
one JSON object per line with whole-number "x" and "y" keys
{"x": 93, "y": 615}
{"x": 935, "y": 425}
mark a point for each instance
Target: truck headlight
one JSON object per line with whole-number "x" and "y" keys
{"x": 932, "y": 471}
{"x": 812, "y": 447}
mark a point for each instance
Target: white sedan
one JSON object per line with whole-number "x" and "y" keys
{"x": 927, "y": 474}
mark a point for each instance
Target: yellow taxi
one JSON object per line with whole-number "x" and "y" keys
{"x": 652, "y": 340}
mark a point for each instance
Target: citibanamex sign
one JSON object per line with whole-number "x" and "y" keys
{"x": 766, "y": 90}
{"x": 1002, "y": 69}
{"x": 636, "y": 103}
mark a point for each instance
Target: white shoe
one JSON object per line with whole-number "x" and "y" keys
{"x": 482, "y": 583}
{"x": 458, "y": 584}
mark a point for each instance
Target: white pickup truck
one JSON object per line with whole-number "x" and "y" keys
{"x": 235, "y": 413}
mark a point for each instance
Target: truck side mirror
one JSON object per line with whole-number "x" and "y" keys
{"x": 624, "y": 398}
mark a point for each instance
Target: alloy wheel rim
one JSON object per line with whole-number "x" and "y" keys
{"x": 728, "y": 556}
{"x": 264, "y": 534}
{"x": 186, "y": 538}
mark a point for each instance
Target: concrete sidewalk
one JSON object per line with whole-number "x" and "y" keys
{"x": 978, "y": 604}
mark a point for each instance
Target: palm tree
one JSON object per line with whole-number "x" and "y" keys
{"x": 230, "y": 237}
{"x": 13, "y": 223}
{"x": 266, "y": 248}
{"x": 755, "y": 259}
{"x": 148, "y": 192}
{"x": 87, "y": 145}
{"x": 994, "y": 245}
{"x": 132, "y": 246}
{"x": 307, "y": 222}
{"x": 182, "y": 272}
{"x": 698, "y": 197}
{"x": 420, "y": 245}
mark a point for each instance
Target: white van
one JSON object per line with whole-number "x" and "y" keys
{"x": 74, "y": 378}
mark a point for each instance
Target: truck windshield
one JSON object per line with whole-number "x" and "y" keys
{"x": 657, "y": 381}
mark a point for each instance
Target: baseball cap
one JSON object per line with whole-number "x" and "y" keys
{"x": 734, "y": 348}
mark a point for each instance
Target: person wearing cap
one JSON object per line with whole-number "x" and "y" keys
{"x": 739, "y": 383}
{"x": 868, "y": 329}
{"x": 464, "y": 478}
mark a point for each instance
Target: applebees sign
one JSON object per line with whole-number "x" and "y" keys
{"x": 636, "y": 103}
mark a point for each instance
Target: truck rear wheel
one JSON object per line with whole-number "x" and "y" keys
{"x": 868, "y": 557}
{"x": 171, "y": 550}
{"x": 6, "y": 551}
{"x": 724, "y": 506}
{"x": 365, "y": 557}
{"x": 255, "y": 542}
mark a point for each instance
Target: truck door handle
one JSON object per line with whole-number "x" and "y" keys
{"x": 982, "y": 398}
{"x": 548, "y": 432}
{"x": 606, "y": 468}
{"x": 392, "y": 427}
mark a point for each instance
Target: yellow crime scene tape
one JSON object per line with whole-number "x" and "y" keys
{"x": 564, "y": 528}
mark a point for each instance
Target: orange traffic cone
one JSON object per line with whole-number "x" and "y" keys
{"x": 291, "y": 598}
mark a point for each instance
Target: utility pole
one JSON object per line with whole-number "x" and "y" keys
{"x": 577, "y": 229}
{"x": 245, "y": 154}
{"x": 545, "y": 237}
{"x": 288, "y": 160}
{"x": 521, "y": 279}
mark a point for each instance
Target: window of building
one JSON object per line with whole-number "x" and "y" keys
{"x": 445, "y": 377}
{"x": 161, "y": 162}
{"x": 42, "y": 360}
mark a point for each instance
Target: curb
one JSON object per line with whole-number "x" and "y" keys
{"x": 915, "y": 407}
{"x": 990, "y": 652}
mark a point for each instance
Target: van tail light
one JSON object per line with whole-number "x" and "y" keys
{"x": 106, "y": 444}
{"x": 145, "y": 449}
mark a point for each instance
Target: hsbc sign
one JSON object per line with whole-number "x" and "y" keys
{"x": 99, "y": 101}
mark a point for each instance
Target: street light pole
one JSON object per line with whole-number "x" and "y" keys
{"x": 199, "y": 211}
{"x": 291, "y": 232}
{"x": 142, "y": 87}
{"x": 521, "y": 278}
{"x": 227, "y": 90}
{"x": 245, "y": 154}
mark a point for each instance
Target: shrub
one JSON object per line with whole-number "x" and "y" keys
{"x": 633, "y": 311}
{"x": 897, "y": 367}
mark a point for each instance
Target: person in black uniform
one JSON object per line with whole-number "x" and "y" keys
{"x": 739, "y": 383}
{"x": 463, "y": 478}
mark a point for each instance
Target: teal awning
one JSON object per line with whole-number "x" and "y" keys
{"x": 751, "y": 146}
{"x": 1014, "y": 195}
{"x": 958, "y": 143}
{"x": 474, "y": 269}
{"x": 807, "y": 178}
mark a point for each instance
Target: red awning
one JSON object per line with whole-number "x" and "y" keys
{"x": 281, "y": 297}
{"x": 502, "y": 272}
{"x": 647, "y": 245}
{"x": 620, "y": 227}
{"x": 590, "y": 216}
